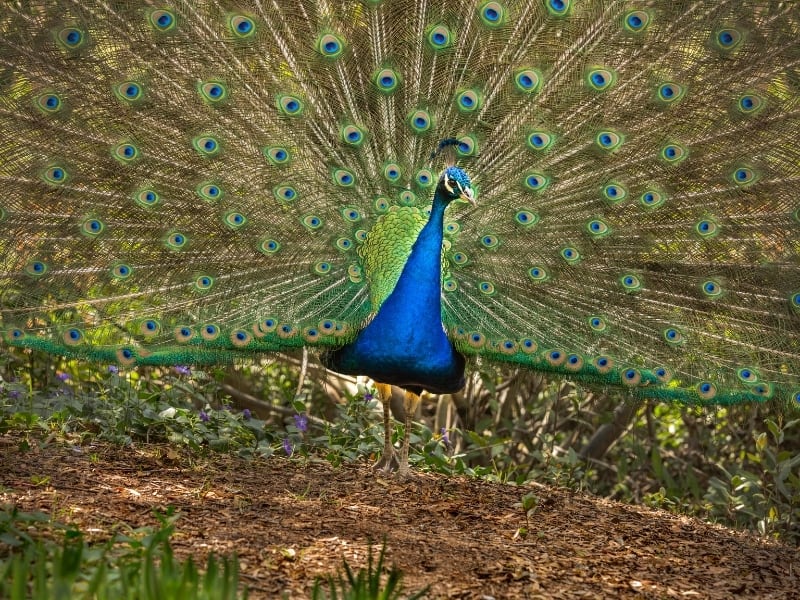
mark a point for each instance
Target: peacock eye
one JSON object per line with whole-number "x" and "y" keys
{"x": 452, "y": 183}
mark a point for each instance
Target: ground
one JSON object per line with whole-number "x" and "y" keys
{"x": 292, "y": 520}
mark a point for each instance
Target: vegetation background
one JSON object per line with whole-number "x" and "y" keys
{"x": 738, "y": 465}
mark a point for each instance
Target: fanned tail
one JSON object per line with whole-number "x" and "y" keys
{"x": 198, "y": 181}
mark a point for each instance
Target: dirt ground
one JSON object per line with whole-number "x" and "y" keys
{"x": 290, "y": 521}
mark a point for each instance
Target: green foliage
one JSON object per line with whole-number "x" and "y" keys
{"x": 764, "y": 489}
{"x": 736, "y": 465}
{"x": 138, "y": 566}
{"x": 353, "y": 433}
{"x": 122, "y": 408}
{"x": 367, "y": 584}
{"x": 529, "y": 504}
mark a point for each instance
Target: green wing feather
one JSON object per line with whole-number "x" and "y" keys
{"x": 386, "y": 248}
{"x": 198, "y": 181}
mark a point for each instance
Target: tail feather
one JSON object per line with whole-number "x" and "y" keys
{"x": 196, "y": 182}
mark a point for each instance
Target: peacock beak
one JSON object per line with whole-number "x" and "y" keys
{"x": 468, "y": 196}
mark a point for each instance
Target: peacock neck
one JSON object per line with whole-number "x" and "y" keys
{"x": 420, "y": 282}
{"x": 435, "y": 225}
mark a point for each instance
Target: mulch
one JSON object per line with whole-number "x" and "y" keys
{"x": 292, "y": 520}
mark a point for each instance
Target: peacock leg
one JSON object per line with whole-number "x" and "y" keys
{"x": 410, "y": 403}
{"x": 388, "y": 460}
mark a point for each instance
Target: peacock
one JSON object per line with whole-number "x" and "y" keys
{"x": 601, "y": 190}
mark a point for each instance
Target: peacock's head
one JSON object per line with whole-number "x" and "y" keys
{"x": 454, "y": 184}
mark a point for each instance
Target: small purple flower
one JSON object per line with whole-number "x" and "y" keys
{"x": 301, "y": 421}
{"x": 246, "y": 414}
{"x": 14, "y": 394}
{"x": 113, "y": 369}
{"x": 445, "y": 437}
{"x": 287, "y": 446}
{"x": 368, "y": 397}
{"x": 63, "y": 376}
{"x": 183, "y": 370}
{"x": 204, "y": 416}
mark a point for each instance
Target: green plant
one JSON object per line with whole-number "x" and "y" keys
{"x": 123, "y": 408}
{"x": 354, "y": 433}
{"x": 764, "y": 490}
{"x": 140, "y": 566}
{"x": 367, "y": 584}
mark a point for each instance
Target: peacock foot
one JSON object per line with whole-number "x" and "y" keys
{"x": 404, "y": 473}
{"x": 388, "y": 462}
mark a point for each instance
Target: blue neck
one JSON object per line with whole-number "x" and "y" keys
{"x": 405, "y": 343}
{"x": 419, "y": 289}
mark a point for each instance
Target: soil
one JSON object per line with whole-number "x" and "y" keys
{"x": 292, "y": 520}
